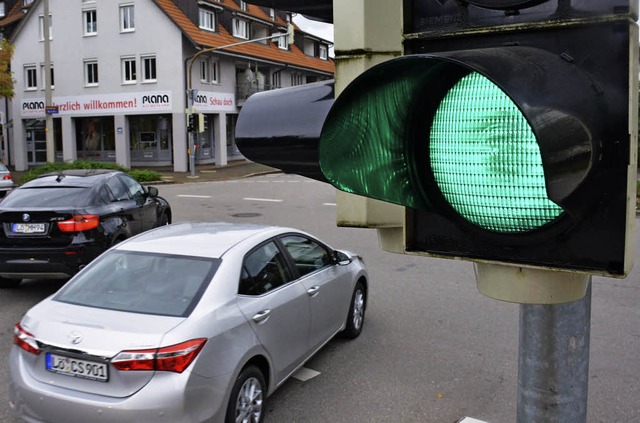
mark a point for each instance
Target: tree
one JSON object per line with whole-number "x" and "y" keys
{"x": 6, "y": 76}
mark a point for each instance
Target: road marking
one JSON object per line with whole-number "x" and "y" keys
{"x": 193, "y": 196}
{"x": 304, "y": 374}
{"x": 471, "y": 420}
{"x": 328, "y": 204}
{"x": 271, "y": 200}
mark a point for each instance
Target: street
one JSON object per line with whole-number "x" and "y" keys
{"x": 433, "y": 349}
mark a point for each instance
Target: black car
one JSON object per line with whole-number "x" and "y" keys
{"x": 54, "y": 225}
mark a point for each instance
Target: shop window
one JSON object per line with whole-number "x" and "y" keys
{"x": 150, "y": 138}
{"x": 95, "y": 138}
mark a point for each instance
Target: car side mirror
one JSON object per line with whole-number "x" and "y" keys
{"x": 152, "y": 191}
{"x": 341, "y": 258}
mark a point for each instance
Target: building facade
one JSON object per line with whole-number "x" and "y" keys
{"x": 121, "y": 71}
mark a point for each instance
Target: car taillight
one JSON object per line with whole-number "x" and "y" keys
{"x": 25, "y": 340}
{"x": 174, "y": 358}
{"x": 7, "y": 177}
{"x": 79, "y": 222}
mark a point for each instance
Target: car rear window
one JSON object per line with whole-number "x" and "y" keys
{"x": 161, "y": 284}
{"x": 48, "y": 197}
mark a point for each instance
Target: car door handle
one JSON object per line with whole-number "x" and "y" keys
{"x": 261, "y": 316}
{"x": 313, "y": 291}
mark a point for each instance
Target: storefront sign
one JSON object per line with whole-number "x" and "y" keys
{"x": 101, "y": 104}
{"x": 205, "y": 101}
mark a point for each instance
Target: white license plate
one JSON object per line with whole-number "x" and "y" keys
{"x": 28, "y": 228}
{"x": 75, "y": 367}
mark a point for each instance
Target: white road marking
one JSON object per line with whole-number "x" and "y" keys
{"x": 193, "y": 196}
{"x": 304, "y": 374}
{"x": 471, "y": 420}
{"x": 328, "y": 204}
{"x": 272, "y": 200}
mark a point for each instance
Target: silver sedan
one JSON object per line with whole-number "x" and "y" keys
{"x": 191, "y": 322}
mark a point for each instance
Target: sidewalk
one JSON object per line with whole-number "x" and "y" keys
{"x": 209, "y": 172}
{"x": 203, "y": 173}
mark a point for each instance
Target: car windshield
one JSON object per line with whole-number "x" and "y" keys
{"x": 49, "y": 197}
{"x": 168, "y": 285}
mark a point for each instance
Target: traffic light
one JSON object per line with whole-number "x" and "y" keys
{"x": 191, "y": 122}
{"x": 507, "y": 146}
{"x": 201, "y": 123}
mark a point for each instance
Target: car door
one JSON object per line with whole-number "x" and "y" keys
{"x": 327, "y": 285}
{"x": 148, "y": 207}
{"x": 276, "y": 307}
{"x": 126, "y": 207}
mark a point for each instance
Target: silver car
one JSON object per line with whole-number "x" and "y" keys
{"x": 191, "y": 322}
{"x": 6, "y": 180}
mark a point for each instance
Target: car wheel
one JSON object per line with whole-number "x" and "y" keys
{"x": 164, "y": 220}
{"x": 6, "y": 283}
{"x": 246, "y": 404}
{"x": 355, "y": 318}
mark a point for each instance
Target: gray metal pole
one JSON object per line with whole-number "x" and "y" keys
{"x": 553, "y": 362}
{"x": 49, "y": 133}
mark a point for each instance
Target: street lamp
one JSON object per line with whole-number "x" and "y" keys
{"x": 190, "y": 91}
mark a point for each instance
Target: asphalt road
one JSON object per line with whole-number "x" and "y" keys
{"x": 433, "y": 349}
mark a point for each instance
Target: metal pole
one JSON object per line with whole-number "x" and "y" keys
{"x": 51, "y": 153}
{"x": 553, "y": 362}
{"x": 192, "y": 152}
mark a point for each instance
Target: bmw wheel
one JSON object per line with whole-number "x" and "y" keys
{"x": 246, "y": 404}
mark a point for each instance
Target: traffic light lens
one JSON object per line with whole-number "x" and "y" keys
{"x": 486, "y": 160}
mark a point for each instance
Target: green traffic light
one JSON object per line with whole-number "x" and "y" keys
{"x": 486, "y": 161}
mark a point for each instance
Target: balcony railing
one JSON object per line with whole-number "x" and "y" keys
{"x": 245, "y": 89}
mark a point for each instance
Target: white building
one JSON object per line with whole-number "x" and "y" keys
{"x": 119, "y": 77}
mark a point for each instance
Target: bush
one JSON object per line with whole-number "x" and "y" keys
{"x": 143, "y": 175}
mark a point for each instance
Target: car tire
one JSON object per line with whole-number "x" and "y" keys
{"x": 6, "y": 283}
{"x": 164, "y": 220}
{"x": 247, "y": 401}
{"x": 357, "y": 308}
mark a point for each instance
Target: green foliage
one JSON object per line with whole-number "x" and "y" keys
{"x": 144, "y": 175}
{"x": 6, "y": 77}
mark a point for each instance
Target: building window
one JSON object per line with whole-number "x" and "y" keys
{"x": 276, "y": 80}
{"x": 149, "y": 69}
{"x": 204, "y": 71}
{"x": 207, "y": 20}
{"x": 41, "y": 28}
{"x": 127, "y": 21}
{"x": 272, "y": 14}
{"x": 297, "y": 79}
{"x": 91, "y": 73}
{"x": 283, "y": 42}
{"x": 215, "y": 71}
{"x": 322, "y": 52}
{"x": 30, "y": 78}
{"x": 129, "y": 73}
{"x": 90, "y": 24}
{"x": 241, "y": 29}
{"x": 52, "y": 79}
{"x": 243, "y": 5}
{"x": 26, "y": 3}
{"x": 2, "y": 13}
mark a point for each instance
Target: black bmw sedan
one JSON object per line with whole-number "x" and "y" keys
{"x": 54, "y": 225}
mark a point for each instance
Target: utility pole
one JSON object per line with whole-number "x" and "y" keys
{"x": 49, "y": 133}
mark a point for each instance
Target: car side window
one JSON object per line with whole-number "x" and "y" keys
{"x": 106, "y": 195}
{"x": 133, "y": 186}
{"x": 118, "y": 190}
{"x": 263, "y": 270}
{"x": 308, "y": 255}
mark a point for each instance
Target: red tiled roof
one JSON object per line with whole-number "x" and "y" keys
{"x": 14, "y": 15}
{"x": 270, "y": 51}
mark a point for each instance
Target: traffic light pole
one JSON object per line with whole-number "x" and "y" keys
{"x": 553, "y": 361}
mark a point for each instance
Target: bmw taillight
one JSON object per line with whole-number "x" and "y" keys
{"x": 174, "y": 358}
{"x": 79, "y": 222}
{"x": 7, "y": 177}
{"x": 25, "y": 340}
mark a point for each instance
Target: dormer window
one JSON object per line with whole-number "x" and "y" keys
{"x": 240, "y": 28}
{"x": 207, "y": 20}
{"x": 322, "y": 52}
{"x": 243, "y": 5}
{"x": 272, "y": 14}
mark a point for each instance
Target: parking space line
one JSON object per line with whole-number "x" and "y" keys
{"x": 271, "y": 200}
{"x": 193, "y": 196}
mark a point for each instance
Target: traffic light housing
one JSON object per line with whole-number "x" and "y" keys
{"x": 191, "y": 122}
{"x": 513, "y": 147}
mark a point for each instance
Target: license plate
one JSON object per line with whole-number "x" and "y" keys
{"x": 75, "y": 367}
{"x": 28, "y": 228}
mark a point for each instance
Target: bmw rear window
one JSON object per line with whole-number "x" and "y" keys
{"x": 48, "y": 197}
{"x": 160, "y": 284}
